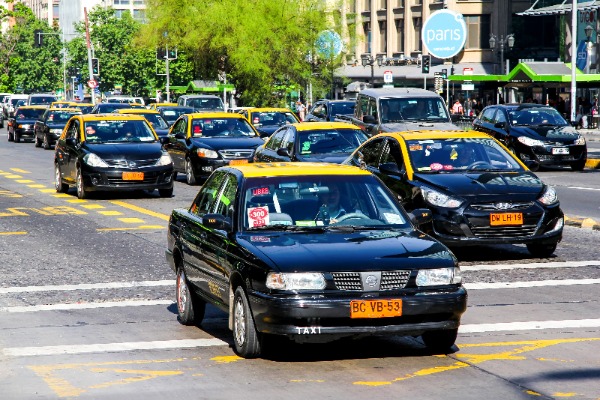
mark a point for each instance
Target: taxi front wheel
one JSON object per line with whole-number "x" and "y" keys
{"x": 59, "y": 185}
{"x": 81, "y": 192}
{"x": 245, "y": 335}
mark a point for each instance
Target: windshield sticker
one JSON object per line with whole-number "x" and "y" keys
{"x": 453, "y": 154}
{"x": 415, "y": 147}
{"x": 258, "y": 216}
{"x": 260, "y": 239}
{"x": 393, "y": 218}
{"x": 448, "y": 167}
{"x": 436, "y": 167}
{"x": 260, "y": 191}
{"x": 306, "y": 147}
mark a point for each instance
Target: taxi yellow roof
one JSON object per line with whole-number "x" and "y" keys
{"x": 219, "y": 114}
{"x": 136, "y": 111}
{"x": 311, "y": 126}
{"x": 268, "y": 109}
{"x": 256, "y": 170}
{"x": 110, "y": 117}
{"x": 423, "y": 135}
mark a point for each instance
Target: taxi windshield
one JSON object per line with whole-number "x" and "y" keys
{"x": 304, "y": 202}
{"x": 219, "y": 127}
{"x": 118, "y": 131}
{"x": 459, "y": 155}
{"x": 156, "y": 121}
{"x": 330, "y": 141}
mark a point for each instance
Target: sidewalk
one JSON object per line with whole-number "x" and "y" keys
{"x": 591, "y": 135}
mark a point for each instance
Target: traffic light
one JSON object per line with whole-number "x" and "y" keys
{"x": 161, "y": 53}
{"x": 172, "y": 54}
{"x": 445, "y": 73}
{"x": 95, "y": 67}
{"x": 37, "y": 38}
{"x": 425, "y": 62}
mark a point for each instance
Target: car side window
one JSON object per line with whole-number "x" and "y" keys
{"x": 72, "y": 131}
{"x": 288, "y": 140}
{"x": 363, "y": 105}
{"x": 225, "y": 204}
{"x": 372, "y": 152}
{"x": 372, "y": 109}
{"x": 500, "y": 116}
{"x": 179, "y": 127}
{"x": 275, "y": 142}
{"x": 488, "y": 114}
{"x": 207, "y": 197}
{"x": 390, "y": 153}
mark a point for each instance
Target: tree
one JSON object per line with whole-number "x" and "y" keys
{"x": 264, "y": 41}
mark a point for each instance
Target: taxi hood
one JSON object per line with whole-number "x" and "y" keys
{"x": 544, "y": 132}
{"x": 128, "y": 151}
{"x": 228, "y": 142}
{"x": 357, "y": 251}
{"x": 418, "y": 125}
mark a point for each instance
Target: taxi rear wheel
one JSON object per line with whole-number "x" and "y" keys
{"x": 81, "y": 192}
{"x": 46, "y": 143}
{"x": 10, "y": 136}
{"x": 189, "y": 172}
{"x": 58, "y": 182}
{"x": 440, "y": 341}
{"x": 190, "y": 307}
{"x": 38, "y": 142}
{"x": 245, "y": 336}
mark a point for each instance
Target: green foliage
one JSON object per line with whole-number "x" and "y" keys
{"x": 263, "y": 41}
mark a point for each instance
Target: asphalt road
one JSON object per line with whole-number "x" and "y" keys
{"x": 87, "y": 311}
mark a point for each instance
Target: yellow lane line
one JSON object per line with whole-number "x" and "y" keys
{"x": 13, "y": 233}
{"x": 131, "y": 228}
{"x": 164, "y": 217}
{"x": 22, "y": 171}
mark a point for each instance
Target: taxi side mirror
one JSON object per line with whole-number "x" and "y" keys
{"x": 164, "y": 139}
{"x": 420, "y": 216}
{"x": 390, "y": 168}
{"x": 369, "y": 119}
{"x": 217, "y": 221}
{"x": 283, "y": 152}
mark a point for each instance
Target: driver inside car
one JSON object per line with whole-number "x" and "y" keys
{"x": 331, "y": 207}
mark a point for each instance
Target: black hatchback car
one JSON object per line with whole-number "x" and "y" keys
{"x": 49, "y": 126}
{"x": 534, "y": 132}
{"x": 330, "y": 110}
{"x": 21, "y": 124}
{"x": 103, "y": 108}
{"x": 260, "y": 243}
{"x": 479, "y": 193}
{"x": 111, "y": 152}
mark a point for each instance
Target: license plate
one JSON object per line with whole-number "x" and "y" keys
{"x": 560, "y": 150}
{"x": 238, "y": 162}
{"x": 133, "y": 176}
{"x": 506, "y": 219}
{"x": 375, "y": 308}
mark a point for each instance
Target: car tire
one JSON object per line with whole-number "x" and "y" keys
{"x": 579, "y": 165}
{"x": 81, "y": 192}
{"x": 174, "y": 178}
{"x": 190, "y": 307}
{"x": 46, "y": 143}
{"x": 440, "y": 341}
{"x": 59, "y": 185}
{"x": 190, "y": 177}
{"x": 165, "y": 192}
{"x": 246, "y": 339}
{"x": 541, "y": 250}
{"x": 10, "y": 136}
{"x": 17, "y": 137}
{"x": 38, "y": 142}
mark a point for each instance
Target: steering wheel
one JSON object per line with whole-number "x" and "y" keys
{"x": 479, "y": 164}
{"x": 351, "y": 216}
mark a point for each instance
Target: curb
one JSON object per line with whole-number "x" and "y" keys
{"x": 588, "y": 223}
{"x": 592, "y": 163}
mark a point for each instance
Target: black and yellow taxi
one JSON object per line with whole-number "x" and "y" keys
{"x": 49, "y": 126}
{"x": 478, "y": 191}
{"x": 111, "y": 152}
{"x": 85, "y": 108}
{"x": 158, "y": 123}
{"x": 313, "y": 252}
{"x": 318, "y": 142}
{"x": 267, "y": 120}
{"x": 63, "y": 104}
{"x": 154, "y": 106}
{"x": 201, "y": 142}
{"x": 21, "y": 124}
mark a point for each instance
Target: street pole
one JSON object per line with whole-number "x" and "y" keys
{"x": 64, "y": 65}
{"x": 573, "y": 59}
{"x": 167, "y": 87}
{"x": 89, "y": 51}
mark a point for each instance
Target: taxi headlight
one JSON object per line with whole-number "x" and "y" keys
{"x": 296, "y": 281}
{"x": 530, "y": 142}
{"x": 165, "y": 159}
{"x": 439, "y": 276}
{"x": 439, "y": 199}
{"x": 549, "y": 197}
{"x": 580, "y": 140}
{"x": 207, "y": 153}
{"x": 93, "y": 160}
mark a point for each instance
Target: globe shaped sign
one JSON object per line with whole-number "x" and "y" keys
{"x": 329, "y": 44}
{"x": 444, "y": 33}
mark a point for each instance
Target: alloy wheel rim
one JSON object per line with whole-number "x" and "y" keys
{"x": 181, "y": 292}
{"x": 188, "y": 171}
{"x": 79, "y": 183}
{"x": 240, "y": 322}
{"x": 57, "y": 178}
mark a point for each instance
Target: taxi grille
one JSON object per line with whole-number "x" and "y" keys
{"x": 130, "y": 163}
{"x": 233, "y": 154}
{"x": 491, "y": 232}
{"x": 522, "y": 205}
{"x": 390, "y": 280}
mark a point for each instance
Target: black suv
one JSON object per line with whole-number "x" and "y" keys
{"x": 329, "y": 110}
{"x": 534, "y": 132}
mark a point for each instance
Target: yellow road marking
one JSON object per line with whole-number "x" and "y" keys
{"x": 92, "y": 206}
{"x": 8, "y": 193}
{"x": 13, "y": 176}
{"x": 62, "y": 195}
{"x": 13, "y": 233}
{"x": 47, "y": 190}
{"x": 25, "y": 181}
{"x": 226, "y": 359}
{"x": 142, "y": 210}
{"x": 22, "y": 171}
{"x": 131, "y": 220}
{"x": 36, "y": 186}
{"x": 110, "y": 212}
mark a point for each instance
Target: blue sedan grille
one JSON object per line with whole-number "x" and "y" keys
{"x": 390, "y": 280}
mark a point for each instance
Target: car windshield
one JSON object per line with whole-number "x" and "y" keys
{"x": 305, "y": 202}
{"x": 114, "y": 131}
{"x": 29, "y": 113}
{"x": 537, "y": 116}
{"x": 219, "y": 127}
{"x": 60, "y": 117}
{"x": 328, "y": 141}
{"x": 156, "y": 121}
{"x": 41, "y": 100}
{"x": 273, "y": 118}
{"x": 342, "y": 108}
{"x": 171, "y": 114}
{"x": 459, "y": 155}
{"x": 205, "y": 104}
{"x": 110, "y": 107}
{"x": 412, "y": 109}
{"x": 85, "y": 109}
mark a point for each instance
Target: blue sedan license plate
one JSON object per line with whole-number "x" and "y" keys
{"x": 560, "y": 150}
{"x": 375, "y": 308}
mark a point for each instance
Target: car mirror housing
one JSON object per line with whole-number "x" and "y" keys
{"x": 369, "y": 119}
{"x": 532, "y": 165}
{"x": 164, "y": 139}
{"x": 216, "y": 221}
{"x": 500, "y": 125}
{"x": 420, "y": 216}
{"x": 70, "y": 142}
{"x": 390, "y": 168}
{"x": 283, "y": 152}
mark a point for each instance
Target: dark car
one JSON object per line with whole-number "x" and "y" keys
{"x": 331, "y": 110}
{"x": 171, "y": 113}
{"x": 199, "y": 143}
{"x": 478, "y": 191}
{"x": 267, "y": 120}
{"x": 111, "y": 153}
{"x": 105, "y": 108}
{"x": 534, "y": 132}
{"x": 49, "y": 127}
{"x": 41, "y": 99}
{"x": 318, "y": 141}
{"x": 158, "y": 123}
{"x": 261, "y": 243}
{"x": 21, "y": 124}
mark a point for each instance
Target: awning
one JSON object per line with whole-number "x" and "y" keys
{"x": 562, "y": 7}
{"x": 408, "y": 72}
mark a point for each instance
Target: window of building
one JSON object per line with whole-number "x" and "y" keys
{"x": 383, "y": 36}
{"x": 122, "y": 2}
{"x": 417, "y": 30}
{"x": 367, "y": 34}
{"x": 399, "y": 35}
{"x": 382, "y": 4}
{"x": 478, "y": 31}
{"x": 398, "y": 3}
{"x": 139, "y": 14}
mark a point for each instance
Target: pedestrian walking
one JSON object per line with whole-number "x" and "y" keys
{"x": 301, "y": 110}
{"x": 457, "y": 108}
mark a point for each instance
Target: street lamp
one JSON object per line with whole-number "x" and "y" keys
{"x": 509, "y": 41}
{"x": 368, "y": 59}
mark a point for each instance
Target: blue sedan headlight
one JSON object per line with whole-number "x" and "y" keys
{"x": 438, "y": 276}
{"x": 439, "y": 199}
{"x": 549, "y": 197}
{"x": 296, "y": 281}
{"x": 93, "y": 160}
